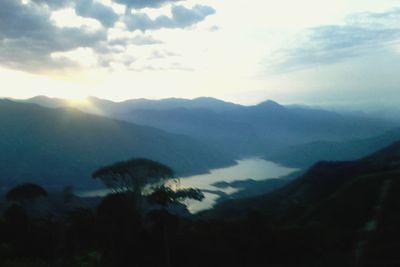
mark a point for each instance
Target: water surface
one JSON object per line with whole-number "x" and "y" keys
{"x": 250, "y": 168}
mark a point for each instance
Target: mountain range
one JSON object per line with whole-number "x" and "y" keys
{"x": 63, "y": 146}
{"x": 305, "y": 155}
{"x": 237, "y": 130}
{"x": 57, "y": 142}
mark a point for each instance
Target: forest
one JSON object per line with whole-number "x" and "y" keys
{"x": 335, "y": 214}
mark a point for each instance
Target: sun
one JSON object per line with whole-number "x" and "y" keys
{"x": 78, "y": 101}
{"x": 83, "y": 104}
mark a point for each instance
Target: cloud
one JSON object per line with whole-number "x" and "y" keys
{"x": 161, "y": 54}
{"x": 53, "y": 4}
{"x": 100, "y": 12}
{"x": 28, "y": 38}
{"x": 130, "y": 4}
{"x": 360, "y": 34}
{"x": 145, "y": 40}
{"x": 139, "y": 4}
{"x": 137, "y": 40}
{"x": 175, "y": 66}
{"x": 185, "y": 17}
{"x": 85, "y": 8}
{"x": 182, "y": 17}
{"x": 214, "y": 28}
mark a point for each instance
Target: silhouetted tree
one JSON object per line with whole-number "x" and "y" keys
{"x": 163, "y": 196}
{"x": 118, "y": 225}
{"x": 16, "y": 217}
{"x": 26, "y": 195}
{"x": 26, "y": 192}
{"x": 80, "y": 232}
{"x": 18, "y": 227}
{"x": 132, "y": 175}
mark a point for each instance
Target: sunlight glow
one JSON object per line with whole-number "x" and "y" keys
{"x": 78, "y": 101}
{"x": 83, "y": 56}
{"x": 84, "y": 104}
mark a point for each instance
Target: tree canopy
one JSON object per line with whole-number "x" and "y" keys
{"x": 132, "y": 175}
{"x": 163, "y": 195}
{"x": 26, "y": 191}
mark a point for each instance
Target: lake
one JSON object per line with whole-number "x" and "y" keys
{"x": 250, "y": 168}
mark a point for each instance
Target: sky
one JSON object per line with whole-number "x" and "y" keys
{"x": 314, "y": 52}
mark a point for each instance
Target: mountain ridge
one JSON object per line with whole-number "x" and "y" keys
{"x": 267, "y": 129}
{"x": 63, "y": 146}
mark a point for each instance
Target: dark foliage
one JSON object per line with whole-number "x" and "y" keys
{"x": 336, "y": 214}
{"x": 27, "y": 192}
{"x": 164, "y": 195}
{"x": 133, "y": 174}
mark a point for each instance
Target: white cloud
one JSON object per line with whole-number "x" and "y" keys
{"x": 233, "y": 63}
{"x": 68, "y": 18}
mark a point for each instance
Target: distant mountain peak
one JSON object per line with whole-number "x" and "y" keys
{"x": 270, "y": 104}
{"x": 207, "y": 98}
{"x": 39, "y": 97}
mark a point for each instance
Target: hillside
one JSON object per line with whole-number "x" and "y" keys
{"x": 239, "y": 130}
{"x": 57, "y": 147}
{"x": 305, "y": 155}
{"x": 335, "y": 214}
{"x": 340, "y": 192}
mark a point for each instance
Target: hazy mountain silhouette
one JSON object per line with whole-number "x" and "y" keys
{"x": 63, "y": 146}
{"x": 264, "y": 129}
{"x": 257, "y": 130}
{"x": 305, "y": 155}
{"x": 110, "y": 108}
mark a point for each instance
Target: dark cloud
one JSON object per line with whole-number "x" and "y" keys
{"x": 130, "y": 4}
{"x": 53, "y": 4}
{"x": 182, "y": 17}
{"x": 185, "y": 17}
{"x": 100, "y": 12}
{"x": 139, "y": 4}
{"x": 362, "y": 33}
{"x": 28, "y": 38}
{"x": 85, "y": 8}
